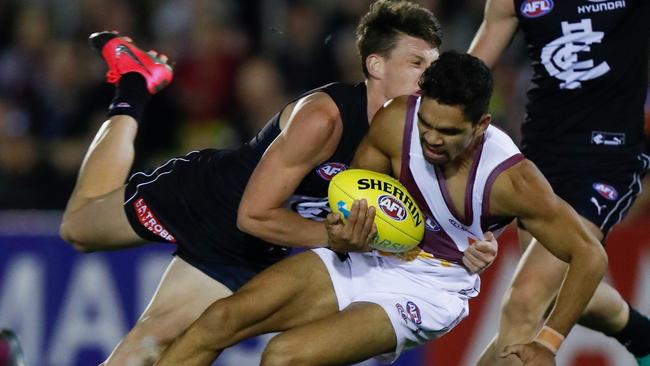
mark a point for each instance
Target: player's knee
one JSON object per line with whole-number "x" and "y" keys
{"x": 522, "y": 309}
{"x": 219, "y": 325}
{"x": 146, "y": 341}
{"x": 282, "y": 352}
{"x": 155, "y": 332}
{"x": 70, "y": 234}
{"x": 163, "y": 322}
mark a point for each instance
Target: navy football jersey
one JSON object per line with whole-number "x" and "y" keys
{"x": 590, "y": 66}
{"x": 193, "y": 200}
{"x": 310, "y": 197}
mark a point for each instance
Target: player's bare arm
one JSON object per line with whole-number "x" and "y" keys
{"x": 380, "y": 149}
{"x": 498, "y": 26}
{"x": 310, "y": 135}
{"x": 522, "y": 192}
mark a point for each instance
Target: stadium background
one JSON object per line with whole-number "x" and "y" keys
{"x": 236, "y": 63}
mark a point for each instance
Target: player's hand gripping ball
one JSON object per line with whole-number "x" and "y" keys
{"x": 399, "y": 221}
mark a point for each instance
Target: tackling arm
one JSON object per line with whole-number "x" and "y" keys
{"x": 310, "y": 136}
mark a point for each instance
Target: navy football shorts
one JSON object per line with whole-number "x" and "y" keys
{"x": 601, "y": 189}
{"x": 192, "y": 201}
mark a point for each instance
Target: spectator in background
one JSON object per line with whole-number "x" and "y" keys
{"x": 304, "y": 49}
{"x": 29, "y": 86}
{"x": 260, "y": 93}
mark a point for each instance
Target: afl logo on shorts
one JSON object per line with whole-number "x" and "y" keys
{"x": 327, "y": 171}
{"x": 414, "y": 312}
{"x": 606, "y": 191}
{"x": 536, "y": 8}
{"x": 400, "y": 310}
{"x": 392, "y": 207}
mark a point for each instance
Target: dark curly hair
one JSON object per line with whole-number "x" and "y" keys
{"x": 459, "y": 79}
{"x": 380, "y": 27}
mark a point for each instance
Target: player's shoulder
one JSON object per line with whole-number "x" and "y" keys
{"x": 518, "y": 177}
{"x": 313, "y": 117}
{"x": 316, "y": 111}
{"x": 399, "y": 102}
{"x": 387, "y": 127}
{"x": 520, "y": 187}
{"x": 319, "y": 100}
{"x": 392, "y": 113}
{"x": 331, "y": 97}
{"x": 344, "y": 89}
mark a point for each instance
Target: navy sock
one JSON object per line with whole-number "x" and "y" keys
{"x": 635, "y": 336}
{"x": 131, "y": 96}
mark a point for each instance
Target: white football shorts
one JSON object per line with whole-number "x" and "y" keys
{"x": 423, "y": 297}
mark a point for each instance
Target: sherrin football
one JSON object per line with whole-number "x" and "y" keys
{"x": 399, "y": 221}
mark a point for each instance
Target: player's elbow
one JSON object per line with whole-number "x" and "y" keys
{"x": 247, "y": 220}
{"x": 600, "y": 259}
{"x": 592, "y": 257}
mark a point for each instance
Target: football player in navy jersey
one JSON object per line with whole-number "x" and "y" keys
{"x": 584, "y": 130}
{"x": 464, "y": 174}
{"x": 192, "y": 201}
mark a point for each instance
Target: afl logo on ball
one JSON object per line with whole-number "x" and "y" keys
{"x": 606, "y": 191}
{"x": 327, "y": 171}
{"x": 536, "y": 8}
{"x": 392, "y": 207}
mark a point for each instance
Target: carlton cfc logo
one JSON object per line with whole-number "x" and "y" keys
{"x": 536, "y": 8}
{"x": 392, "y": 207}
{"x": 327, "y": 171}
{"x": 606, "y": 191}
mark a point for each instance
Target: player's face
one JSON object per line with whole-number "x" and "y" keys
{"x": 445, "y": 133}
{"x": 405, "y": 64}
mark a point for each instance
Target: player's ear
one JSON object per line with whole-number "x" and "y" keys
{"x": 483, "y": 124}
{"x": 375, "y": 66}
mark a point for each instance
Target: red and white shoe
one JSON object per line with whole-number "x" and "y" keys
{"x": 123, "y": 57}
{"x": 10, "y": 352}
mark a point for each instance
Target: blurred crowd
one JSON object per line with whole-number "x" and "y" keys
{"x": 236, "y": 64}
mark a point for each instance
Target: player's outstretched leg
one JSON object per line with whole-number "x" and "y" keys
{"x": 292, "y": 292}
{"x": 123, "y": 57}
{"x": 183, "y": 294}
{"x": 360, "y": 331}
{"x": 94, "y": 218}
